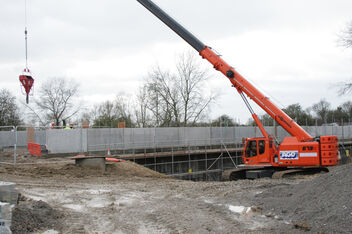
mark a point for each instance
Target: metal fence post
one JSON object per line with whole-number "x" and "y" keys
{"x": 343, "y": 137}
{"x": 172, "y": 160}
{"x": 206, "y": 163}
{"x": 189, "y": 162}
{"x": 145, "y": 150}
{"x": 15, "y": 146}
{"x": 81, "y": 141}
{"x": 154, "y": 142}
{"x": 87, "y": 140}
{"x": 110, "y": 136}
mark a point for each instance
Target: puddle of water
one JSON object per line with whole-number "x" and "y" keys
{"x": 36, "y": 198}
{"x": 146, "y": 229}
{"x": 208, "y": 201}
{"x": 125, "y": 201}
{"x": 98, "y": 191}
{"x": 98, "y": 202}
{"x": 51, "y": 231}
{"x": 129, "y": 199}
{"x": 74, "y": 207}
{"x": 240, "y": 209}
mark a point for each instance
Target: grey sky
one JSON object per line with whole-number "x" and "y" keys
{"x": 286, "y": 48}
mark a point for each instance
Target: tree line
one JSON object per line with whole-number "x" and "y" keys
{"x": 164, "y": 99}
{"x": 318, "y": 114}
{"x": 144, "y": 112}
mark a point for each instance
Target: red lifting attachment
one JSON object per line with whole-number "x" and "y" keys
{"x": 26, "y": 78}
{"x": 27, "y": 82}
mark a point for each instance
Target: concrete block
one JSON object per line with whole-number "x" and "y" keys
{"x": 8, "y": 193}
{"x": 91, "y": 162}
{"x": 5, "y": 218}
{"x": 5, "y": 211}
{"x": 5, "y": 229}
{"x": 5, "y": 223}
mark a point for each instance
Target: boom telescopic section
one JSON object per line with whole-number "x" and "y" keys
{"x": 238, "y": 81}
{"x": 173, "y": 24}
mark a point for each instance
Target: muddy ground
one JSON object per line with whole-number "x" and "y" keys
{"x": 128, "y": 198}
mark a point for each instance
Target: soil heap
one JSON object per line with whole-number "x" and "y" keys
{"x": 322, "y": 204}
{"x": 30, "y": 216}
{"x": 125, "y": 169}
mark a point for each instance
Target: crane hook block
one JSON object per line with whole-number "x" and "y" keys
{"x": 230, "y": 74}
{"x": 27, "y": 82}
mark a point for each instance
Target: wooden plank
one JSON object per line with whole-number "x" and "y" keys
{"x": 30, "y": 134}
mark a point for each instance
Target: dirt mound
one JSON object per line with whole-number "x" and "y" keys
{"x": 324, "y": 203}
{"x": 121, "y": 169}
{"x": 30, "y": 216}
{"x": 133, "y": 169}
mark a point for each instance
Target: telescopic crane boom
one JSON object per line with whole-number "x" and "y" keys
{"x": 239, "y": 82}
{"x": 300, "y": 150}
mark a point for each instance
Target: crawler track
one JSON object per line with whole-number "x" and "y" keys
{"x": 277, "y": 173}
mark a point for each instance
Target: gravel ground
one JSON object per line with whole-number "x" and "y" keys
{"x": 128, "y": 198}
{"x": 323, "y": 204}
{"x": 124, "y": 200}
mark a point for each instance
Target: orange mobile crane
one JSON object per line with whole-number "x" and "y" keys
{"x": 261, "y": 156}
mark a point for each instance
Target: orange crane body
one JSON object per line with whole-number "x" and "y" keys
{"x": 299, "y": 150}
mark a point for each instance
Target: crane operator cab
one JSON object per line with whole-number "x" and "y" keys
{"x": 258, "y": 151}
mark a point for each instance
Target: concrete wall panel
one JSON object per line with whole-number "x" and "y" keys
{"x": 64, "y": 141}
{"x": 100, "y": 139}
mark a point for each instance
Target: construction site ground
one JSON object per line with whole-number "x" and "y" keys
{"x": 128, "y": 198}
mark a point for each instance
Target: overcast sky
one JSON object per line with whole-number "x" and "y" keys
{"x": 287, "y": 49}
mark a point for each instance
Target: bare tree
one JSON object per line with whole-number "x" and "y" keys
{"x": 141, "y": 111}
{"x": 344, "y": 88}
{"x": 321, "y": 109}
{"x": 56, "y": 101}
{"x": 163, "y": 98}
{"x": 123, "y": 103}
{"x": 9, "y": 111}
{"x": 109, "y": 113}
{"x": 191, "y": 78}
{"x": 345, "y": 40}
{"x": 347, "y": 107}
{"x": 179, "y": 98}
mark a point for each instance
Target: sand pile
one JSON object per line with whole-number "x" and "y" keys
{"x": 132, "y": 169}
{"x": 323, "y": 204}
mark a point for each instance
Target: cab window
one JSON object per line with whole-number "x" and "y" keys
{"x": 261, "y": 147}
{"x": 251, "y": 149}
